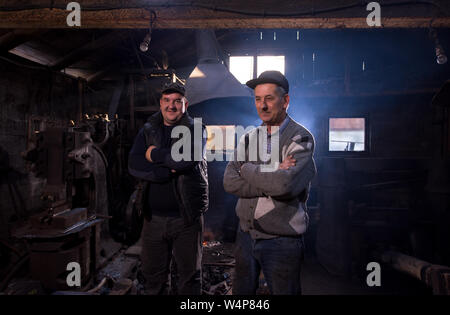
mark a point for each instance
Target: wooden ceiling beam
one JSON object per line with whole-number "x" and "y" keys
{"x": 187, "y": 18}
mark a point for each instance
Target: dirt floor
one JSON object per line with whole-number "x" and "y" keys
{"x": 316, "y": 280}
{"x": 120, "y": 275}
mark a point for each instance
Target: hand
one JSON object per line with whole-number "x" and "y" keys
{"x": 148, "y": 153}
{"x": 288, "y": 162}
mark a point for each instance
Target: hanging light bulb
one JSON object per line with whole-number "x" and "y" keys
{"x": 441, "y": 58}
{"x": 144, "y": 45}
{"x": 146, "y": 42}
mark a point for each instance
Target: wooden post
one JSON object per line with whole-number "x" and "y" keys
{"x": 80, "y": 100}
{"x": 435, "y": 276}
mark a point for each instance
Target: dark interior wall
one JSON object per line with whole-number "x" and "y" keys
{"x": 398, "y": 126}
{"x": 379, "y": 200}
{"x": 25, "y": 93}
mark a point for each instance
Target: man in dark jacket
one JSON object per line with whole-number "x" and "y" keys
{"x": 175, "y": 194}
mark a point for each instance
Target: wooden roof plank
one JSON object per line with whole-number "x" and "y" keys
{"x": 18, "y": 37}
{"x": 170, "y": 18}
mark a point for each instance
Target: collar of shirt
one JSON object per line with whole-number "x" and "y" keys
{"x": 282, "y": 126}
{"x": 280, "y": 130}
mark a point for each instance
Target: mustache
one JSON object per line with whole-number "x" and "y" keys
{"x": 169, "y": 109}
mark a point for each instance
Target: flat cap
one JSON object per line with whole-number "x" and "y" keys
{"x": 271, "y": 76}
{"x": 173, "y": 88}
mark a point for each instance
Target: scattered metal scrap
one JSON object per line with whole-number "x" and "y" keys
{"x": 218, "y": 264}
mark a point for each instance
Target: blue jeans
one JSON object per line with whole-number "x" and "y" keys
{"x": 279, "y": 259}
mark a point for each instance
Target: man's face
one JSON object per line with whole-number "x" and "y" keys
{"x": 271, "y": 107}
{"x": 172, "y": 106}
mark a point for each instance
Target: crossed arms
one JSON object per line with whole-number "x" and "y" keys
{"x": 158, "y": 164}
{"x": 246, "y": 180}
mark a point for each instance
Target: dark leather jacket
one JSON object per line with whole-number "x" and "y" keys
{"x": 191, "y": 181}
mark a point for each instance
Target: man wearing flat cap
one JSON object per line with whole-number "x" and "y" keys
{"x": 175, "y": 196}
{"x": 272, "y": 205}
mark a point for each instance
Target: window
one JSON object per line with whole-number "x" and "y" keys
{"x": 220, "y": 138}
{"x": 242, "y": 68}
{"x": 265, "y": 63}
{"x": 347, "y": 134}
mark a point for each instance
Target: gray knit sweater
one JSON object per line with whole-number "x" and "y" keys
{"x": 273, "y": 204}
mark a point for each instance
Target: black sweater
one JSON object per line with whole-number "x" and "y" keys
{"x": 161, "y": 197}
{"x": 190, "y": 175}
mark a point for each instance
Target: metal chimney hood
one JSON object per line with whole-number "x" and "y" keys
{"x": 211, "y": 79}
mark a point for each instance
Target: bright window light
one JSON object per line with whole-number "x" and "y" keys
{"x": 347, "y": 134}
{"x": 265, "y": 63}
{"x": 242, "y": 68}
{"x": 220, "y": 138}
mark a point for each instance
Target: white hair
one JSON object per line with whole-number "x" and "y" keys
{"x": 280, "y": 91}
